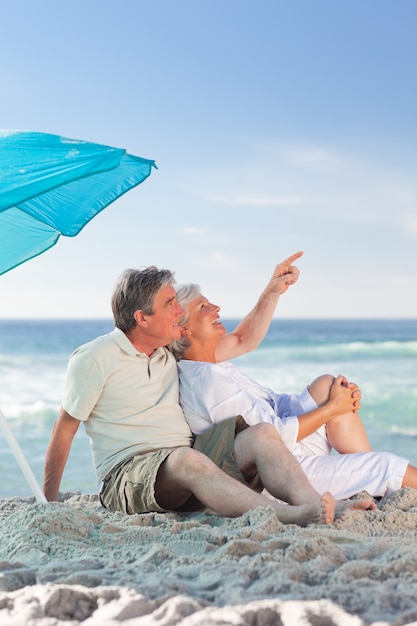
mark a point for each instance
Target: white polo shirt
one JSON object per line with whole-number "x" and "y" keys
{"x": 129, "y": 402}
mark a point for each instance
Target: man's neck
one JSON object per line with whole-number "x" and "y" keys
{"x": 141, "y": 343}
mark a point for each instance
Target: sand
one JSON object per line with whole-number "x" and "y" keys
{"x": 72, "y": 562}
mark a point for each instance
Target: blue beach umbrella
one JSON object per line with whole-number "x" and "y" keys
{"x": 52, "y": 186}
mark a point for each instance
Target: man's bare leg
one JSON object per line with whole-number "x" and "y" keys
{"x": 261, "y": 446}
{"x": 187, "y": 472}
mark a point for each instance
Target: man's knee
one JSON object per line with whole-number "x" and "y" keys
{"x": 264, "y": 429}
{"x": 187, "y": 461}
{"x": 255, "y": 436}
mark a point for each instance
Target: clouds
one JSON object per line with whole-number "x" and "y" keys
{"x": 325, "y": 179}
{"x": 244, "y": 200}
{"x": 410, "y": 224}
{"x": 350, "y": 212}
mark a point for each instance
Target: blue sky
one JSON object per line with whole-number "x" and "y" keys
{"x": 276, "y": 126}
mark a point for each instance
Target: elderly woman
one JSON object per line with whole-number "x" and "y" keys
{"x": 311, "y": 424}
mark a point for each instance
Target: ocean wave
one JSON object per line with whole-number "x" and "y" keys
{"x": 39, "y": 410}
{"x": 404, "y": 431}
{"x": 357, "y": 349}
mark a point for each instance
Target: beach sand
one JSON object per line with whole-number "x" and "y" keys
{"x": 72, "y": 562}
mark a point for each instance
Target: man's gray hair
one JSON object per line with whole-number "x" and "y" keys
{"x": 136, "y": 289}
{"x": 185, "y": 294}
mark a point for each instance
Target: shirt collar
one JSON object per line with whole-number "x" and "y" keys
{"x": 123, "y": 342}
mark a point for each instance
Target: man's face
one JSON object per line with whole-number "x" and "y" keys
{"x": 163, "y": 326}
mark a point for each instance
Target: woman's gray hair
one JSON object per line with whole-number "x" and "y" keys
{"x": 136, "y": 289}
{"x": 185, "y": 294}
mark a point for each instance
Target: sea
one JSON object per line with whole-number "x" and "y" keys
{"x": 379, "y": 355}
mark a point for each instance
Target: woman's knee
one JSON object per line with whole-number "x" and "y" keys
{"x": 319, "y": 389}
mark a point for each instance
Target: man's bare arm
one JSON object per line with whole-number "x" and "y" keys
{"x": 57, "y": 453}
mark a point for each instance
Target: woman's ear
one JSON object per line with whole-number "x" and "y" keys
{"x": 185, "y": 332}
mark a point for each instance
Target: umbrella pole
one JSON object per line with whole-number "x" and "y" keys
{"x": 20, "y": 458}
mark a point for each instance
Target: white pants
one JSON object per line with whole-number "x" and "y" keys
{"x": 344, "y": 475}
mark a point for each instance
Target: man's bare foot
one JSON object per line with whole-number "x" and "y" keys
{"x": 320, "y": 512}
{"x": 361, "y": 504}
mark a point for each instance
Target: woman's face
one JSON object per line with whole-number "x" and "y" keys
{"x": 204, "y": 319}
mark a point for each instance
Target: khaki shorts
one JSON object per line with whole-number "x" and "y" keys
{"x": 131, "y": 486}
{"x": 218, "y": 444}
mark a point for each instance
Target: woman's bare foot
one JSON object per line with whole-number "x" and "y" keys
{"x": 362, "y": 504}
{"x": 320, "y": 512}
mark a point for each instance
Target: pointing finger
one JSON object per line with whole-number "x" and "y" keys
{"x": 293, "y": 258}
